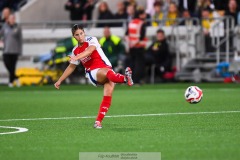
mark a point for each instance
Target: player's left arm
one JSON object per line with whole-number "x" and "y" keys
{"x": 84, "y": 54}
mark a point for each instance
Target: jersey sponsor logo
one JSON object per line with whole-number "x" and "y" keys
{"x": 84, "y": 60}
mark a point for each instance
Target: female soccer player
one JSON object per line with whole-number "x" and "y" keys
{"x": 98, "y": 69}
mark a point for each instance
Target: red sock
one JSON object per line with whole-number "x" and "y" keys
{"x": 115, "y": 77}
{"x": 105, "y": 105}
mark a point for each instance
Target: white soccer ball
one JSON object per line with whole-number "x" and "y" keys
{"x": 193, "y": 94}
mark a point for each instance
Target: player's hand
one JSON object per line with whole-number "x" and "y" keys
{"x": 57, "y": 84}
{"x": 72, "y": 58}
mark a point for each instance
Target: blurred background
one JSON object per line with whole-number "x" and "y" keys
{"x": 187, "y": 41}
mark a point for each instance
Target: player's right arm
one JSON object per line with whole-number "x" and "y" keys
{"x": 71, "y": 67}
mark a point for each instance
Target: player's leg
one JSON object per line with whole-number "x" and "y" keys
{"x": 104, "y": 73}
{"x": 106, "y": 103}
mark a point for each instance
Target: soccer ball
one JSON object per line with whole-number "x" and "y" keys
{"x": 193, "y": 94}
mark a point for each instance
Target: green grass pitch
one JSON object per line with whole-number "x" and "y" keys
{"x": 149, "y": 118}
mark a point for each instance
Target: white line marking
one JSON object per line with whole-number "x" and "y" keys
{"x": 19, "y": 130}
{"x": 116, "y": 116}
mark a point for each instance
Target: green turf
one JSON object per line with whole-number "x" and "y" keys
{"x": 213, "y": 136}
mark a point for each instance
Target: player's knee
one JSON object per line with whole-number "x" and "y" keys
{"x": 108, "y": 89}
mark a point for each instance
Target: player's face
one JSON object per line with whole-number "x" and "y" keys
{"x": 79, "y": 35}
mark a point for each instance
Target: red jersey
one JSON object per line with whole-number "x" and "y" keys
{"x": 96, "y": 60}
